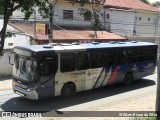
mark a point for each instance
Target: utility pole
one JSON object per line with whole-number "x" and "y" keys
{"x": 34, "y": 26}
{"x": 158, "y": 91}
{"x": 50, "y": 35}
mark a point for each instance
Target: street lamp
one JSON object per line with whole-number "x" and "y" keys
{"x": 50, "y": 35}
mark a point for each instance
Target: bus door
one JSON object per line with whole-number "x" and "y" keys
{"x": 96, "y": 73}
{"x": 93, "y": 78}
{"x": 48, "y": 69}
{"x": 82, "y": 68}
{"x": 89, "y": 66}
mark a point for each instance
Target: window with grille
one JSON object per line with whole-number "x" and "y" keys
{"x": 67, "y": 14}
{"x": 87, "y": 16}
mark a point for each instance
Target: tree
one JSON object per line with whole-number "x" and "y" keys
{"x": 1, "y": 9}
{"x": 145, "y": 1}
{"x": 156, "y": 4}
{"x": 94, "y": 13}
{"x": 27, "y": 6}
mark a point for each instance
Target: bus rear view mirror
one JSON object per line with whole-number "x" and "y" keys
{"x": 11, "y": 58}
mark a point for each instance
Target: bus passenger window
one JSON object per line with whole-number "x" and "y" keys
{"x": 96, "y": 59}
{"x": 122, "y": 60}
{"x": 111, "y": 58}
{"x": 141, "y": 59}
{"x": 82, "y": 61}
{"x": 151, "y": 54}
{"x": 122, "y": 53}
{"x": 131, "y": 59}
{"x": 141, "y": 52}
{"x": 132, "y": 55}
{"x": 68, "y": 62}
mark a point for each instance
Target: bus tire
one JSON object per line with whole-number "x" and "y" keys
{"x": 68, "y": 90}
{"x": 128, "y": 79}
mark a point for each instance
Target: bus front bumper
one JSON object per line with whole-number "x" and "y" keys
{"x": 26, "y": 94}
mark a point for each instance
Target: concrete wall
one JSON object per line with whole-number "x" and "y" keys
{"x": 5, "y": 67}
{"x": 78, "y": 20}
{"x": 119, "y": 21}
{"x": 145, "y": 23}
{"x": 18, "y": 39}
{"x": 158, "y": 27}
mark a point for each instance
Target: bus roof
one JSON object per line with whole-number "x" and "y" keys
{"x": 59, "y": 47}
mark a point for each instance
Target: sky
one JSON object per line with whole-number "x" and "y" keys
{"x": 151, "y": 1}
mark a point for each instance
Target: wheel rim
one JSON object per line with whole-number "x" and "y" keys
{"x": 68, "y": 92}
{"x": 128, "y": 79}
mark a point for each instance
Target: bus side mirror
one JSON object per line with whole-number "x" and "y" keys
{"x": 11, "y": 59}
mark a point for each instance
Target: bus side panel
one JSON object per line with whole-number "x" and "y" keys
{"x": 109, "y": 76}
{"x": 122, "y": 69}
{"x": 99, "y": 79}
{"x": 144, "y": 69}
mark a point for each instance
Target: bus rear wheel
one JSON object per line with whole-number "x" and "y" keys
{"x": 68, "y": 90}
{"x": 128, "y": 79}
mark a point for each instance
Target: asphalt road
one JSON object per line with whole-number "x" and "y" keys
{"x": 85, "y": 101}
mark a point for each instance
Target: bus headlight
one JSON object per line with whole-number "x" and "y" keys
{"x": 32, "y": 88}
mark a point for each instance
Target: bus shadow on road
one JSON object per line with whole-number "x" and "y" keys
{"x": 3, "y": 78}
{"x": 56, "y": 103}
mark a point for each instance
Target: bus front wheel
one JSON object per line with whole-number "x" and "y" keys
{"x": 68, "y": 90}
{"x": 128, "y": 79}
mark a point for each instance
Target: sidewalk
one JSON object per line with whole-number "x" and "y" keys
{"x": 5, "y": 84}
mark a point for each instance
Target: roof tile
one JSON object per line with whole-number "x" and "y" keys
{"x": 131, "y": 4}
{"x": 68, "y": 34}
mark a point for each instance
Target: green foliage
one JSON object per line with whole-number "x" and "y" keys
{"x": 156, "y": 4}
{"x": 95, "y": 14}
{"x": 145, "y": 1}
{"x": 26, "y": 6}
{"x": 9, "y": 34}
{"x": 1, "y": 9}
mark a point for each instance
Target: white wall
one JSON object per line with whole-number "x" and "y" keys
{"x": 145, "y": 27}
{"x": 61, "y": 5}
{"x": 120, "y": 22}
{"x": 18, "y": 39}
{"x": 78, "y": 20}
{"x": 5, "y": 67}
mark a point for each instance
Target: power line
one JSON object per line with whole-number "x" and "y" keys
{"x": 68, "y": 31}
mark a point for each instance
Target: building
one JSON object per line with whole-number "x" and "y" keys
{"x": 69, "y": 24}
{"x": 133, "y": 19}
{"x": 120, "y": 21}
{"x": 67, "y": 35}
{"x": 142, "y": 18}
{"x": 66, "y": 14}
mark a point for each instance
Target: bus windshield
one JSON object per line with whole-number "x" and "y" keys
{"x": 25, "y": 68}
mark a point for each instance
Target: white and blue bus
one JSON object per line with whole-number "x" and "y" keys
{"x": 41, "y": 71}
